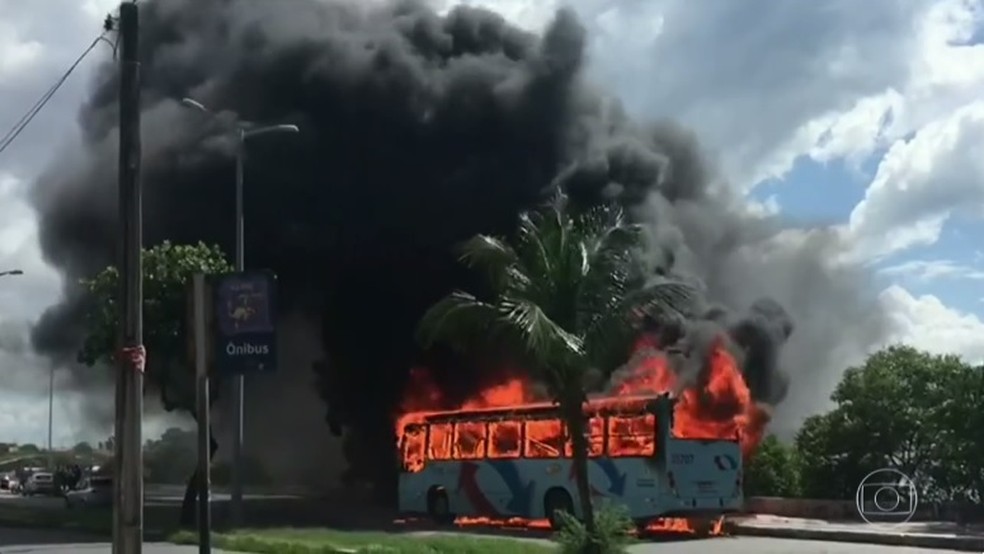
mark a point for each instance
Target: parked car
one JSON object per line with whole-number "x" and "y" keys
{"x": 42, "y": 482}
{"x": 5, "y": 480}
{"x": 91, "y": 492}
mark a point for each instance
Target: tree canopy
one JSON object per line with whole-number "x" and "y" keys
{"x": 167, "y": 269}
{"x": 905, "y": 409}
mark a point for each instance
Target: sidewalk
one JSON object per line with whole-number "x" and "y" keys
{"x": 940, "y": 535}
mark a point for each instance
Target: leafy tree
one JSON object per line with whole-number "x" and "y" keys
{"x": 171, "y": 458}
{"x": 903, "y": 409}
{"x": 773, "y": 470}
{"x": 565, "y": 297}
{"x": 167, "y": 270}
{"x": 29, "y": 448}
{"x": 83, "y": 448}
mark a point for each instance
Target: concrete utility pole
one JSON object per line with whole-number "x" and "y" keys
{"x": 51, "y": 417}
{"x": 200, "y": 305}
{"x": 128, "y": 480}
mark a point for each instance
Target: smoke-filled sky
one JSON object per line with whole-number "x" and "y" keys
{"x": 852, "y": 123}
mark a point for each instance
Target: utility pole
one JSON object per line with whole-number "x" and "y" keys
{"x": 239, "y": 382}
{"x": 200, "y": 300}
{"x": 51, "y": 414}
{"x": 128, "y": 481}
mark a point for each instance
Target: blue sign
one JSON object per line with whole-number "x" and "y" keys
{"x": 246, "y": 339}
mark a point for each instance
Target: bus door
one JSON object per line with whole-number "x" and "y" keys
{"x": 706, "y": 474}
{"x": 412, "y": 489}
{"x": 474, "y": 483}
{"x": 506, "y": 480}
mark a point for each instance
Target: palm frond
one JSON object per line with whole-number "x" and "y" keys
{"x": 458, "y": 319}
{"x": 541, "y": 336}
{"x": 664, "y": 297}
{"x": 599, "y": 219}
{"x": 610, "y": 335}
{"x": 496, "y": 259}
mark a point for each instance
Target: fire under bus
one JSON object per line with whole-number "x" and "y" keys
{"x": 514, "y": 464}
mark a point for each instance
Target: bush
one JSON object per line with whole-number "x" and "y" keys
{"x": 773, "y": 470}
{"x": 613, "y": 528}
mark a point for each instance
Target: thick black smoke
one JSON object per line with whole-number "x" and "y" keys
{"x": 417, "y": 131}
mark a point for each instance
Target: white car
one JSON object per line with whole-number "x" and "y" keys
{"x": 93, "y": 491}
{"x": 41, "y": 482}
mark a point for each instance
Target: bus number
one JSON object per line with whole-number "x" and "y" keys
{"x": 682, "y": 459}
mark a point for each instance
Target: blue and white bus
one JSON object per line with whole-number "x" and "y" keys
{"x": 515, "y": 463}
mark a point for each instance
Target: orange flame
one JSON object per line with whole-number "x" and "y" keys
{"x": 718, "y": 405}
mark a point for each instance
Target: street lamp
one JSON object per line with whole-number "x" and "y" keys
{"x": 51, "y": 386}
{"x": 244, "y": 130}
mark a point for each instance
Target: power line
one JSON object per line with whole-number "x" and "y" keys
{"x": 26, "y": 119}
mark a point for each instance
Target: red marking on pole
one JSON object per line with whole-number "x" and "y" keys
{"x": 134, "y": 356}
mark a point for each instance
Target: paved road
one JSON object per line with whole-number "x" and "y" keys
{"x": 153, "y": 495}
{"x": 18, "y": 541}
{"x": 756, "y": 545}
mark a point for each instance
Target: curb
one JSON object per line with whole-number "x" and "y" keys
{"x": 918, "y": 540}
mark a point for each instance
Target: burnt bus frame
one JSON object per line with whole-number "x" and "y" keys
{"x": 522, "y": 415}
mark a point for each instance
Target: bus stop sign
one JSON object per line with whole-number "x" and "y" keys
{"x": 246, "y": 340}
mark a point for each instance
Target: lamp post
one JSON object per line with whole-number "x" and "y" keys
{"x": 244, "y": 130}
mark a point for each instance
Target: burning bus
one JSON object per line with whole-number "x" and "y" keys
{"x": 515, "y": 463}
{"x": 666, "y": 443}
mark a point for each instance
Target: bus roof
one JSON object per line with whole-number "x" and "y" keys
{"x": 606, "y": 405}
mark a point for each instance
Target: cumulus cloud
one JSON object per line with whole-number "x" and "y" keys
{"x": 926, "y": 323}
{"x": 920, "y": 183}
{"x": 926, "y": 271}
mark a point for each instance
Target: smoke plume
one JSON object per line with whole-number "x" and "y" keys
{"x": 418, "y": 130}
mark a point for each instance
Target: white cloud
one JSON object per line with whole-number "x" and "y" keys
{"x": 920, "y": 183}
{"x": 926, "y": 271}
{"x": 926, "y": 323}
{"x": 16, "y": 54}
{"x": 939, "y": 73}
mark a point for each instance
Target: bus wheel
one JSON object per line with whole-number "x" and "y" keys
{"x": 557, "y": 500}
{"x": 438, "y": 507}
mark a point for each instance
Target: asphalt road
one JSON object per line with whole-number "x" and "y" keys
{"x": 153, "y": 495}
{"x": 757, "y": 545}
{"x": 25, "y": 541}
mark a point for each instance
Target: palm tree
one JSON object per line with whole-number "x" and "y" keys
{"x": 566, "y": 296}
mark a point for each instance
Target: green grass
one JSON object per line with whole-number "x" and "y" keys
{"x": 325, "y": 541}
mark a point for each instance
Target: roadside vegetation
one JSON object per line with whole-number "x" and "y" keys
{"x": 325, "y": 541}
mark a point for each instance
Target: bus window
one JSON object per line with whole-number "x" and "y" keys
{"x": 440, "y": 442}
{"x": 469, "y": 440}
{"x": 504, "y": 439}
{"x": 413, "y": 449}
{"x": 632, "y": 435}
{"x": 544, "y": 438}
{"x": 596, "y": 438}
